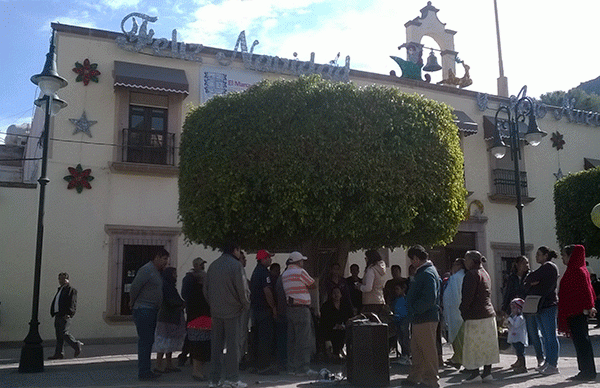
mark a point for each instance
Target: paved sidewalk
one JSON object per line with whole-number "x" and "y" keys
{"x": 114, "y": 365}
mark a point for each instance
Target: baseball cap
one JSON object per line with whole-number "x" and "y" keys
{"x": 518, "y": 301}
{"x": 296, "y": 256}
{"x": 263, "y": 254}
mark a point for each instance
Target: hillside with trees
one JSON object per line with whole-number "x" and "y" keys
{"x": 586, "y": 96}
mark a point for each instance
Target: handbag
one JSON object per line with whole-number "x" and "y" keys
{"x": 532, "y": 304}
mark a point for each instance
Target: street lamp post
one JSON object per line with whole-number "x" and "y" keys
{"x": 522, "y": 109}
{"x": 32, "y": 354}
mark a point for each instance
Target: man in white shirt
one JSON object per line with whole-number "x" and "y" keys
{"x": 301, "y": 341}
{"x": 62, "y": 309}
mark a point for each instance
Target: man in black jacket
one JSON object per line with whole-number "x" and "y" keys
{"x": 62, "y": 309}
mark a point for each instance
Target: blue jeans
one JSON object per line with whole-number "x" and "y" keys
{"x": 547, "y": 323}
{"x": 403, "y": 334}
{"x": 145, "y": 323}
{"x": 533, "y": 333}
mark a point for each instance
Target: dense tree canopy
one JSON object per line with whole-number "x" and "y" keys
{"x": 290, "y": 161}
{"x": 574, "y": 198}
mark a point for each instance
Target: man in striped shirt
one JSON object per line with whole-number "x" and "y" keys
{"x": 301, "y": 341}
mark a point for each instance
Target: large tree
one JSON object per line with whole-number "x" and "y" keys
{"x": 574, "y": 198}
{"x": 286, "y": 163}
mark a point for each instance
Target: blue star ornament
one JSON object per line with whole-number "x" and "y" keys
{"x": 83, "y": 125}
{"x": 558, "y": 175}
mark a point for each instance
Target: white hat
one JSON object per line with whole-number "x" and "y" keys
{"x": 296, "y": 256}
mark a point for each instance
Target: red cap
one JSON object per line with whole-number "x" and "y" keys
{"x": 263, "y": 254}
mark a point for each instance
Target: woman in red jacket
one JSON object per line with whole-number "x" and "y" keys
{"x": 575, "y": 303}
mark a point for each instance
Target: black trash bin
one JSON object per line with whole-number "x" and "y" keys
{"x": 367, "y": 359}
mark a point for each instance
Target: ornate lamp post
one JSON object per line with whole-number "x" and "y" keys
{"x": 522, "y": 109}
{"x": 32, "y": 354}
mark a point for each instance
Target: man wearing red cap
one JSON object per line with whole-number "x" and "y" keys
{"x": 262, "y": 305}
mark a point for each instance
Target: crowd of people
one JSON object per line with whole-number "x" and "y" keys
{"x": 271, "y": 324}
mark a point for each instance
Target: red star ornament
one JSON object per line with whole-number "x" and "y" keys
{"x": 86, "y": 72}
{"x": 79, "y": 178}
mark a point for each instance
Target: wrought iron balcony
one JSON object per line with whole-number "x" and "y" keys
{"x": 151, "y": 147}
{"x": 503, "y": 186}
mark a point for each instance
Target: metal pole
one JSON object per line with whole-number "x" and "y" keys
{"x": 500, "y": 64}
{"x": 32, "y": 353}
{"x": 514, "y": 138}
{"x": 502, "y": 80}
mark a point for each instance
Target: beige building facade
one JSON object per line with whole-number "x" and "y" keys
{"x": 126, "y": 128}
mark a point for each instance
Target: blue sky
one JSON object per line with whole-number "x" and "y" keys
{"x": 545, "y": 45}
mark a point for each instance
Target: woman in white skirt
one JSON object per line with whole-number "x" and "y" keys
{"x": 170, "y": 325}
{"x": 481, "y": 335}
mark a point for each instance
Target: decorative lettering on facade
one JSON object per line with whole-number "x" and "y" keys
{"x": 139, "y": 37}
{"x": 566, "y": 110}
{"x": 573, "y": 115}
{"x": 274, "y": 64}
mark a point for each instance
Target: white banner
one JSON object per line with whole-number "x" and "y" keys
{"x": 223, "y": 80}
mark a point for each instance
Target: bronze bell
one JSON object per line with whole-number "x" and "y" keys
{"x": 432, "y": 63}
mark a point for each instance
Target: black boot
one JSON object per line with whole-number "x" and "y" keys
{"x": 487, "y": 373}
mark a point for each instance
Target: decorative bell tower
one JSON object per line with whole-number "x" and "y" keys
{"x": 429, "y": 25}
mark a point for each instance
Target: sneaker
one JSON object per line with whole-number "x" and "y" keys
{"x": 238, "y": 384}
{"x": 56, "y": 357}
{"x": 549, "y": 370}
{"x": 541, "y": 365}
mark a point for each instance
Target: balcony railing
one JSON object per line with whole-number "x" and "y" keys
{"x": 504, "y": 183}
{"x": 151, "y": 147}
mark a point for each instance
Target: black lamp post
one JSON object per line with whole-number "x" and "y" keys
{"x": 522, "y": 109}
{"x": 32, "y": 353}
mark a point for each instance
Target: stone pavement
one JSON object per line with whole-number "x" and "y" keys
{"x": 114, "y": 365}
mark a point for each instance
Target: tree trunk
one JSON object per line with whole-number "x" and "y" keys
{"x": 321, "y": 256}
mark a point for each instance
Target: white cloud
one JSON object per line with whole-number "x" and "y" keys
{"x": 216, "y": 24}
{"x": 118, "y": 4}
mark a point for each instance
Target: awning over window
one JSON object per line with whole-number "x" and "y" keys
{"x": 588, "y": 163}
{"x": 465, "y": 123}
{"x": 136, "y": 76}
{"x": 489, "y": 128}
